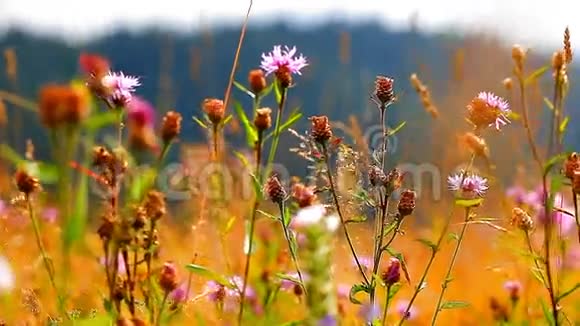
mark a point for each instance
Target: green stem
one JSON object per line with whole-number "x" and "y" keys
{"x": 290, "y": 247}
{"x": 451, "y": 265}
{"x": 339, "y": 212}
{"x": 276, "y": 139}
{"x": 379, "y": 245}
{"x": 160, "y": 313}
{"x": 387, "y": 299}
{"x": 435, "y": 250}
{"x": 44, "y": 255}
{"x": 533, "y": 253}
{"x": 252, "y": 228}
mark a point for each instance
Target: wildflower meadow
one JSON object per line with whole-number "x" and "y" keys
{"x": 94, "y": 235}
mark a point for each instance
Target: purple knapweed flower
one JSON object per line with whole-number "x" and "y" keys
{"x": 401, "y": 308}
{"x": 278, "y": 58}
{"x": 513, "y": 287}
{"x": 180, "y": 294}
{"x": 498, "y": 104}
{"x": 393, "y": 273}
{"x": 49, "y": 214}
{"x": 369, "y": 313}
{"x": 563, "y": 222}
{"x": 140, "y": 112}
{"x": 472, "y": 186}
{"x": 120, "y": 87}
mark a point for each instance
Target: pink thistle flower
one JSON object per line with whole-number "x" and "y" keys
{"x": 140, "y": 112}
{"x": 513, "y": 287}
{"x": 563, "y": 222}
{"x": 500, "y": 105}
{"x": 278, "y": 58}
{"x": 473, "y": 185}
{"x": 401, "y": 307}
{"x": 180, "y": 294}
{"x": 120, "y": 87}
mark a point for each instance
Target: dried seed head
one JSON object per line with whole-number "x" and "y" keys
{"x": 476, "y": 144}
{"x": 215, "y": 110}
{"x": 138, "y": 322}
{"x": 275, "y": 190}
{"x": 171, "y": 127}
{"x": 168, "y": 277}
{"x": 384, "y": 90}
{"x": 140, "y": 218}
{"x": 558, "y": 60}
{"x": 522, "y": 220}
{"x": 297, "y": 289}
{"x": 393, "y": 273}
{"x": 284, "y": 76}
{"x": 154, "y": 205}
{"x": 407, "y": 202}
{"x": 376, "y": 176}
{"x": 257, "y": 81}
{"x": 107, "y": 227}
{"x": 508, "y": 83}
{"x": 101, "y": 156}
{"x": 394, "y": 180}
{"x": 519, "y": 57}
{"x": 26, "y": 183}
{"x": 320, "y": 130}
{"x": 571, "y": 165}
{"x": 567, "y": 46}
{"x": 303, "y": 195}
{"x": 263, "y": 119}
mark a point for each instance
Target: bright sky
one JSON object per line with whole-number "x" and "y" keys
{"x": 537, "y": 23}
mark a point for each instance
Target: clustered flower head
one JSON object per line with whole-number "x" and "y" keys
{"x": 303, "y": 195}
{"x": 321, "y": 131}
{"x": 393, "y": 273}
{"x": 171, "y": 126}
{"x": 62, "y": 104}
{"x": 119, "y": 88}
{"x": 571, "y": 165}
{"x": 468, "y": 186}
{"x": 376, "y": 176}
{"x": 274, "y": 189}
{"x": 141, "y": 119}
{"x": 283, "y": 64}
{"x": 384, "y": 91}
{"x": 257, "y": 81}
{"x": 26, "y": 183}
{"x": 514, "y": 288}
{"x": 263, "y": 119}
{"x": 407, "y": 202}
{"x": 522, "y": 220}
{"x": 168, "y": 280}
{"x": 215, "y": 110}
{"x": 486, "y": 110}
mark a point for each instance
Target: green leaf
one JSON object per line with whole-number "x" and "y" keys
{"x": 229, "y": 225}
{"x": 291, "y": 121}
{"x": 242, "y": 159}
{"x": 549, "y": 103}
{"x": 251, "y": 133}
{"x": 10, "y": 155}
{"x": 428, "y": 243}
{"x": 277, "y": 91}
{"x": 244, "y": 89}
{"x": 468, "y": 202}
{"x": 555, "y": 160}
{"x": 393, "y": 290}
{"x": 354, "y": 290}
{"x": 514, "y": 116}
{"x": 267, "y": 90}
{"x": 547, "y": 313}
{"x": 209, "y": 274}
{"x": 268, "y": 215}
{"x": 397, "y": 129}
{"x": 293, "y": 323}
{"x": 453, "y": 236}
{"x": 199, "y": 122}
{"x": 356, "y": 219}
{"x": 564, "y": 124}
{"x": 536, "y": 74}
{"x": 227, "y": 120}
{"x": 100, "y": 120}
{"x": 569, "y": 291}
{"x": 454, "y": 305}
{"x": 257, "y": 187}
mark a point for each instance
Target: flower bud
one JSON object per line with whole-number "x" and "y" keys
{"x": 214, "y": 108}
{"x": 320, "y": 130}
{"x": 407, "y": 202}
{"x": 263, "y": 119}
{"x": 257, "y": 81}
{"x": 284, "y": 76}
{"x": 522, "y": 220}
{"x": 171, "y": 127}
{"x": 384, "y": 90}
{"x": 571, "y": 165}
{"x": 275, "y": 190}
{"x": 26, "y": 183}
{"x": 168, "y": 277}
{"x": 393, "y": 273}
{"x": 376, "y": 176}
{"x": 303, "y": 195}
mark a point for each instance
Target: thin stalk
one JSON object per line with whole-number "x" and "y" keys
{"x": 276, "y": 138}
{"x": 252, "y": 228}
{"x": 215, "y": 137}
{"x": 533, "y": 253}
{"x": 43, "y": 253}
{"x": 130, "y": 280}
{"x": 435, "y": 250}
{"x": 526, "y": 121}
{"x": 555, "y": 116}
{"x": 339, "y": 212}
{"x": 576, "y": 215}
{"x": 451, "y": 265}
{"x": 547, "y": 243}
{"x": 290, "y": 247}
{"x": 387, "y": 299}
{"x": 384, "y": 131}
{"x": 379, "y": 245}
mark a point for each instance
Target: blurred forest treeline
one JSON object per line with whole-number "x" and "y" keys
{"x": 179, "y": 70}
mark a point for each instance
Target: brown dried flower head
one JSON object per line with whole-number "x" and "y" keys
{"x": 171, "y": 127}
{"x": 394, "y": 180}
{"x": 508, "y": 83}
{"x": 284, "y": 76}
{"x": 168, "y": 277}
{"x": 101, "y": 156}
{"x": 303, "y": 195}
{"x": 522, "y": 220}
{"x": 376, "y": 176}
{"x": 407, "y": 202}
{"x": 499, "y": 311}
{"x": 107, "y": 227}
{"x": 62, "y": 104}
{"x": 567, "y": 46}
{"x": 558, "y": 60}
{"x": 275, "y": 190}
{"x": 263, "y": 119}
{"x": 571, "y": 165}
{"x": 257, "y": 81}
{"x": 576, "y": 182}
{"x": 320, "y": 130}
{"x": 519, "y": 57}
{"x": 384, "y": 90}
{"x": 215, "y": 110}
{"x": 26, "y": 183}
{"x": 154, "y": 205}
{"x": 140, "y": 219}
